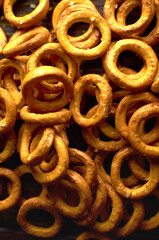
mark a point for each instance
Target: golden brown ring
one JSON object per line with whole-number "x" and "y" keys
{"x": 97, "y": 205}
{"x": 58, "y": 117}
{"x": 85, "y": 40}
{"x": 3, "y": 40}
{"x": 43, "y": 204}
{"x": 104, "y": 103}
{"x": 152, "y": 222}
{"x": 127, "y": 81}
{"x": 153, "y": 37}
{"x": 82, "y": 16}
{"x": 15, "y": 194}
{"x": 40, "y": 74}
{"x": 10, "y": 145}
{"x": 147, "y": 14}
{"x": 145, "y": 112}
{"x": 29, "y": 20}
{"x": 61, "y": 167}
{"x": 52, "y": 49}
{"x": 125, "y": 104}
{"x": 26, "y": 41}
{"x": 85, "y": 198}
{"x": 134, "y": 221}
{"x": 7, "y": 123}
{"x": 35, "y": 157}
{"x": 116, "y": 214}
{"x": 88, "y": 235}
{"x": 78, "y": 157}
{"x": 135, "y": 193}
{"x": 61, "y": 6}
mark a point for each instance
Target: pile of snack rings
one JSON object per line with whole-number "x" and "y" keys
{"x": 42, "y": 90}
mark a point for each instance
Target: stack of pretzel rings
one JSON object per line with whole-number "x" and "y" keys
{"x": 90, "y": 141}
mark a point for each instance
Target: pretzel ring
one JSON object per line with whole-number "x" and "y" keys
{"x": 95, "y": 142}
{"x": 9, "y": 148}
{"x": 97, "y": 205}
{"x": 134, "y": 221}
{"x": 59, "y": 117}
{"x": 135, "y": 193}
{"x": 61, "y": 6}
{"x": 26, "y": 41}
{"x": 29, "y": 20}
{"x": 80, "y": 16}
{"x": 78, "y": 157}
{"x": 125, "y": 104}
{"x": 15, "y": 194}
{"x": 144, "y": 112}
{"x": 83, "y": 190}
{"x": 88, "y": 235}
{"x": 40, "y": 74}
{"x": 20, "y": 171}
{"x": 85, "y": 40}
{"x": 155, "y": 85}
{"x": 125, "y": 81}
{"x": 3, "y": 40}
{"x": 116, "y": 213}
{"x": 60, "y": 169}
{"x": 153, "y": 37}
{"x": 104, "y": 104}
{"x": 137, "y": 170}
{"x": 152, "y": 222}
{"x": 147, "y": 14}
{"x": 46, "y": 205}
{"x": 52, "y": 49}
{"x": 7, "y": 123}
{"x": 45, "y": 143}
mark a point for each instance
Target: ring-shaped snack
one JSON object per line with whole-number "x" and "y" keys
{"x": 76, "y": 158}
{"x": 63, "y": 5}
{"x": 145, "y": 112}
{"x": 147, "y": 14}
{"x": 134, "y": 221}
{"x": 7, "y": 123}
{"x": 132, "y": 193}
{"x": 3, "y": 40}
{"x": 155, "y": 85}
{"x": 82, "y": 16}
{"x": 88, "y": 235}
{"x": 26, "y": 41}
{"x": 15, "y": 194}
{"x": 131, "y": 82}
{"x": 58, "y": 117}
{"x": 97, "y": 205}
{"x": 40, "y": 74}
{"x": 20, "y": 171}
{"x": 116, "y": 214}
{"x": 43, "y": 204}
{"x": 153, "y": 37}
{"x": 137, "y": 169}
{"x": 29, "y": 20}
{"x": 79, "y": 184}
{"x": 104, "y": 103}
{"x": 61, "y": 167}
{"x": 152, "y": 222}
{"x": 125, "y": 104}
{"x": 35, "y": 157}
{"x": 10, "y": 145}
{"x": 53, "y": 49}
{"x": 85, "y": 40}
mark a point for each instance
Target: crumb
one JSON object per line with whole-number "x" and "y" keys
{"x": 92, "y": 19}
{"x": 33, "y": 5}
{"x": 72, "y": 3}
